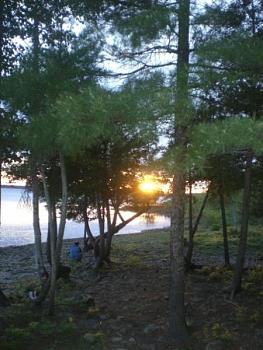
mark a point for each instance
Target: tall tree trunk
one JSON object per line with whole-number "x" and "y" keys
{"x": 189, "y": 254}
{"x": 237, "y": 278}
{"x": 190, "y": 248}
{"x": 178, "y": 328}
{"x": 234, "y": 214}
{"x": 99, "y": 250}
{"x": 0, "y": 190}
{"x": 87, "y": 230}
{"x": 56, "y": 241}
{"x": 2, "y": 4}
{"x": 1, "y": 73}
{"x": 54, "y": 223}
{"x": 35, "y": 186}
{"x": 53, "y": 275}
{"x": 48, "y": 248}
{"x": 36, "y": 225}
{"x": 63, "y": 215}
{"x": 190, "y": 201}
{"x": 197, "y": 221}
{"x": 177, "y": 310}
{"x": 110, "y": 234}
{"x": 224, "y": 224}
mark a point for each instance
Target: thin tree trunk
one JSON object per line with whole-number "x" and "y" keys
{"x": 197, "y": 221}
{"x": 108, "y": 247}
{"x": 100, "y": 250}
{"x": 54, "y": 223}
{"x": 1, "y": 73}
{"x": 189, "y": 254}
{"x": 190, "y": 205}
{"x": 0, "y": 191}
{"x": 48, "y": 248}
{"x": 53, "y": 275}
{"x": 110, "y": 234}
{"x": 234, "y": 214}
{"x": 190, "y": 248}
{"x": 2, "y": 4}
{"x": 237, "y": 278}
{"x": 87, "y": 228}
{"x": 224, "y": 224}
{"x": 63, "y": 215}
{"x": 36, "y": 225}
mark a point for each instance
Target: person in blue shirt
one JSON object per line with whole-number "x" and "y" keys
{"x": 75, "y": 252}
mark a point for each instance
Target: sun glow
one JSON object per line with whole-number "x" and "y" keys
{"x": 149, "y": 184}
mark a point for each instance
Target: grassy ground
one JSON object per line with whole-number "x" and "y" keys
{"x": 125, "y": 306}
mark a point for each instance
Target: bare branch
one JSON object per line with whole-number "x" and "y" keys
{"x": 143, "y": 67}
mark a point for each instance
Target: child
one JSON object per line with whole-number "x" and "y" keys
{"x": 75, "y": 252}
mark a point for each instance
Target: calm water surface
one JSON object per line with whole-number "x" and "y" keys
{"x": 17, "y": 228}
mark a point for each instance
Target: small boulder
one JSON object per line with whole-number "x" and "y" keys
{"x": 90, "y": 338}
{"x": 216, "y": 345}
{"x": 150, "y": 329}
{"x": 88, "y": 300}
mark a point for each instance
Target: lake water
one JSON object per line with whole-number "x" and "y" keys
{"x": 17, "y": 228}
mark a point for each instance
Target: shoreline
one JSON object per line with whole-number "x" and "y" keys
{"x": 165, "y": 228}
{"x": 13, "y": 186}
{"x": 17, "y": 263}
{"x": 18, "y": 266}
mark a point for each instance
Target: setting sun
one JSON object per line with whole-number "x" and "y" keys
{"x": 149, "y": 184}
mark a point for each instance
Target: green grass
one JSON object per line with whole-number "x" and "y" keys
{"x": 206, "y": 243}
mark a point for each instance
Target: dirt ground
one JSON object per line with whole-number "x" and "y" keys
{"x": 125, "y": 305}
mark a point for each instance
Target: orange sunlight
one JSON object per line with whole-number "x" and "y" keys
{"x": 150, "y": 184}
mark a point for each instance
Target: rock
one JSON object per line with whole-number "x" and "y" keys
{"x": 132, "y": 340}
{"x": 155, "y": 298}
{"x": 113, "y": 325}
{"x": 71, "y": 300}
{"x": 116, "y": 339}
{"x": 196, "y": 300}
{"x": 150, "y": 329}
{"x": 216, "y": 345}
{"x": 90, "y": 338}
{"x": 89, "y": 300}
{"x": 120, "y": 318}
{"x": 259, "y": 333}
{"x": 104, "y": 317}
{"x": 89, "y": 324}
{"x": 148, "y": 347}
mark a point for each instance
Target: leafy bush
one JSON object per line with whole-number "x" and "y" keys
{"x": 96, "y": 340}
{"x": 218, "y": 331}
{"x": 15, "y": 338}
